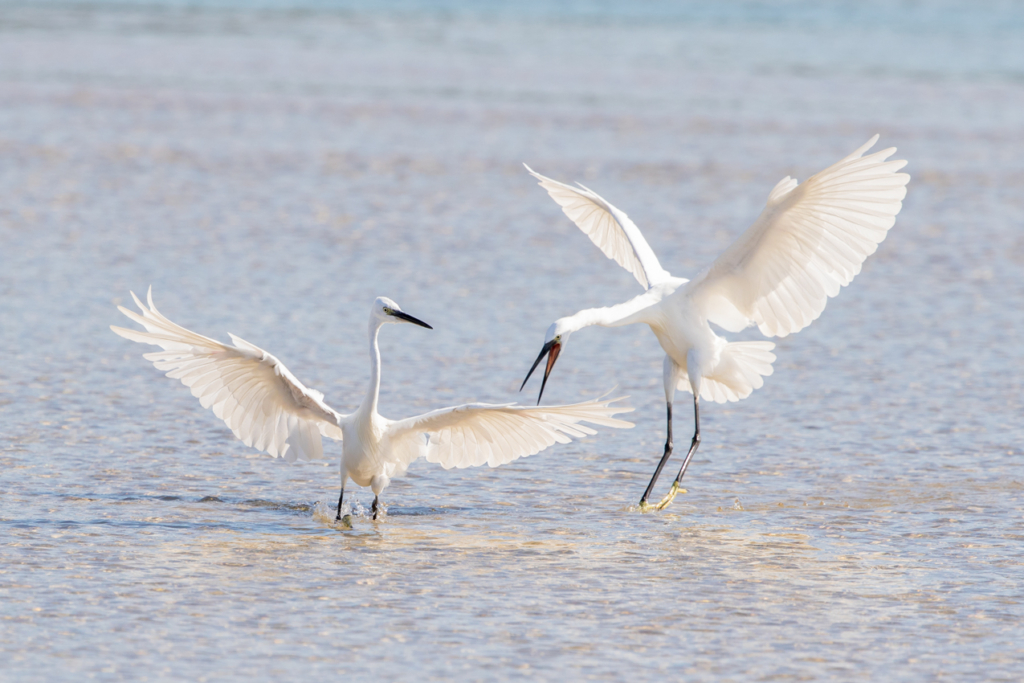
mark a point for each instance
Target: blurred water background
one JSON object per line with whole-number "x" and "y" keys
{"x": 271, "y": 167}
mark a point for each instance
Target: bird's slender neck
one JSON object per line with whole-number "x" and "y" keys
{"x": 635, "y": 310}
{"x": 369, "y": 404}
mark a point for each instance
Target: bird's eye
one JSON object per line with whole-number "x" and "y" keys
{"x": 558, "y": 338}
{"x": 388, "y": 310}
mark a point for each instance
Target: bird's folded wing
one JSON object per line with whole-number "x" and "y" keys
{"x": 607, "y": 227}
{"x": 809, "y": 241}
{"x": 479, "y": 433}
{"x": 251, "y": 390}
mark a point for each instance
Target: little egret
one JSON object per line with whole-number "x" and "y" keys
{"x": 809, "y": 241}
{"x": 269, "y": 409}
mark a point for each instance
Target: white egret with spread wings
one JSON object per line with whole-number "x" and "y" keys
{"x": 268, "y": 408}
{"x": 809, "y": 241}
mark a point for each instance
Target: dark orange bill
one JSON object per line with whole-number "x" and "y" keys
{"x": 552, "y": 357}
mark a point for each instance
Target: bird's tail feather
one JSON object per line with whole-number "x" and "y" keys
{"x": 740, "y": 370}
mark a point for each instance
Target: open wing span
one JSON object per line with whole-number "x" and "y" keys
{"x": 607, "y": 227}
{"x": 479, "y": 433}
{"x": 251, "y": 390}
{"x": 809, "y": 241}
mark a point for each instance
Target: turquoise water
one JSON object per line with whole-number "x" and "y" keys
{"x": 271, "y": 168}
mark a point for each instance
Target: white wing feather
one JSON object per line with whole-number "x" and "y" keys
{"x": 607, "y": 227}
{"x": 810, "y": 240}
{"x": 475, "y": 434}
{"x": 251, "y": 390}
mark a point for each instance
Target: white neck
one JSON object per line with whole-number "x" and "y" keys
{"x": 636, "y": 310}
{"x": 369, "y": 404}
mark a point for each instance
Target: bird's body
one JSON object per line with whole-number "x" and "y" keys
{"x": 270, "y": 409}
{"x": 809, "y": 241}
{"x": 696, "y": 357}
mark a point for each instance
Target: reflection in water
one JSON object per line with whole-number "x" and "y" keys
{"x": 859, "y": 517}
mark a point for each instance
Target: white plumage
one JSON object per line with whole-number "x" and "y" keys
{"x": 609, "y": 228}
{"x": 252, "y": 391}
{"x": 809, "y": 241}
{"x": 268, "y": 408}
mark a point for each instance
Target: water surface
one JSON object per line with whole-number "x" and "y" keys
{"x": 269, "y": 169}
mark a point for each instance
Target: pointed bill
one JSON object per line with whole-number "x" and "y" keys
{"x": 551, "y": 349}
{"x": 409, "y": 319}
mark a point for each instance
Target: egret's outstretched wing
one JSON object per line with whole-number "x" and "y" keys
{"x": 251, "y": 390}
{"x": 607, "y": 227}
{"x": 809, "y": 241}
{"x": 479, "y": 433}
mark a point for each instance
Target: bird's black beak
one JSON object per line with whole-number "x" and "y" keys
{"x": 551, "y": 349}
{"x": 409, "y": 319}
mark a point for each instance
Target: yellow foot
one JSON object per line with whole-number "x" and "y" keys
{"x": 346, "y": 521}
{"x": 665, "y": 502}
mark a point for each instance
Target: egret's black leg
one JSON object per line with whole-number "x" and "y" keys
{"x": 661, "y": 463}
{"x": 694, "y": 443}
{"x": 376, "y": 506}
{"x": 340, "y": 498}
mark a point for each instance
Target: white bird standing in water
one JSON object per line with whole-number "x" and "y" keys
{"x": 809, "y": 241}
{"x": 269, "y": 409}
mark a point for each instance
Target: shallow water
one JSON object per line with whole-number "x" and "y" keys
{"x": 271, "y": 169}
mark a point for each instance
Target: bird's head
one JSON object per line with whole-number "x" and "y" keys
{"x": 387, "y": 311}
{"x": 556, "y": 338}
